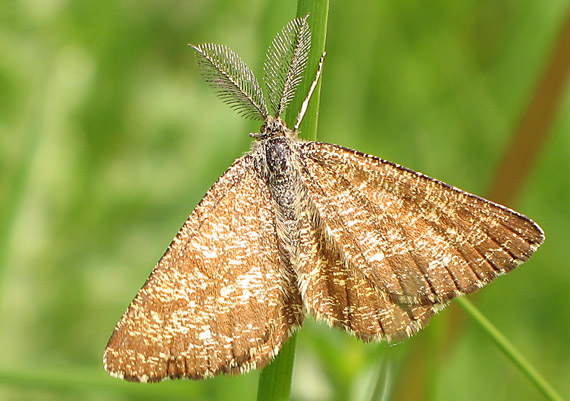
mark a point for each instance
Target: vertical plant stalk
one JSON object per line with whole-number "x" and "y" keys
{"x": 275, "y": 379}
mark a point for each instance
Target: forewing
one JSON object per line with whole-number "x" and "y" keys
{"x": 421, "y": 241}
{"x": 216, "y": 302}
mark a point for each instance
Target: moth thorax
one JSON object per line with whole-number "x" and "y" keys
{"x": 280, "y": 170}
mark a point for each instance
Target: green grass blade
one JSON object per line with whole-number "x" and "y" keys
{"x": 275, "y": 379}
{"x": 509, "y": 349}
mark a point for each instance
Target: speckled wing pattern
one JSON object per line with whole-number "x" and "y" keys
{"x": 394, "y": 246}
{"x": 216, "y": 301}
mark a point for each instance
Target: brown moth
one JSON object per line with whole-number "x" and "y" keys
{"x": 298, "y": 227}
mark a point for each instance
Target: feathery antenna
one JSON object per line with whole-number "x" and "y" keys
{"x": 232, "y": 79}
{"x": 285, "y": 63}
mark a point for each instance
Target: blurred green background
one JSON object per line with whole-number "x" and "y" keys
{"x": 109, "y": 138}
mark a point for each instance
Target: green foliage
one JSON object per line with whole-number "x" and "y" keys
{"x": 109, "y": 138}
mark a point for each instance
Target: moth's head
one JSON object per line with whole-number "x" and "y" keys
{"x": 273, "y": 127}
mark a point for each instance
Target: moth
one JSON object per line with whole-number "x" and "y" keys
{"x": 296, "y": 227}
